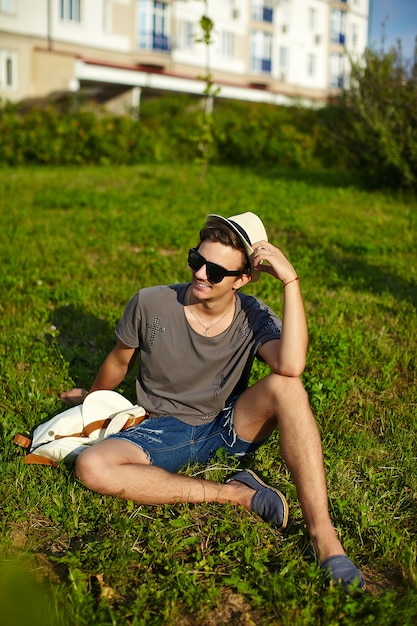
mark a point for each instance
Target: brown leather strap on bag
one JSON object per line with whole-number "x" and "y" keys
{"x": 22, "y": 440}
{"x": 134, "y": 421}
{"x": 37, "y": 459}
{"x": 99, "y": 424}
{"x": 87, "y": 430}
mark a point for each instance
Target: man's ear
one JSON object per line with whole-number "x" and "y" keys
{"x": 241, "y": 281}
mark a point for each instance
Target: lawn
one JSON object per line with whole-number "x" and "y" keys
{"x": 75, "y": 244}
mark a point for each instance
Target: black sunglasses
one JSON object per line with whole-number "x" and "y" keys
{"x": 215, "y": 273}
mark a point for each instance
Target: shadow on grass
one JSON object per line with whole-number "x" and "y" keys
{"x": 330, "y": 178}
{"x": 351, "y": 265}
{"x": 361, "y": 275}
{"x": 84, "y": 341}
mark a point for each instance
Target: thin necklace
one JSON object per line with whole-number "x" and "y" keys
{"x": 207, "y": 328}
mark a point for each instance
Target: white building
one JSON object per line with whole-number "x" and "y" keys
{"x": 111, "y": 50}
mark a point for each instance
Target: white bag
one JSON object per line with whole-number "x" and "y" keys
{"x": 64, "y": 436}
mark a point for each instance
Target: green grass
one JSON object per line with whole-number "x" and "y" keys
{"x": 75, "y": 244}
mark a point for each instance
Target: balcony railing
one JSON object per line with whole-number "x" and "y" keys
{"x": 262, "y": 65}
{"x": 154, "y": 41}
{"x": 263, "y": 14}
{"x": 337, "y": 81}
{"x": 266, "y": 66}
{"x": 160, "y": 42}
{"x": 339, "y": 38}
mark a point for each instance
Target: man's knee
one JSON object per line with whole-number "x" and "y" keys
{"x": 88, "y": 468}
{"x": 289, "y": 388}
{"x": 98, "y": 465}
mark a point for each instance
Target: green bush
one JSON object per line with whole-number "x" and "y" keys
{"x": 50, "y": 136}
{"x": 373, "y": 125}
{"x": 168, "y": 131}
{"x": 262, "y": 134}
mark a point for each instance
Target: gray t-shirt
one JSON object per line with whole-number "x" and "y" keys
{"x": 182, "y": 373}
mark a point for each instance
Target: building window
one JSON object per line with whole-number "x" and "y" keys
{"x": 262, "y": 10}
{"x": 70, "y": 10}
{"x": 186, "y": 36}
{"x": 284, "y": 15}
{"x": 354, "y": 35}
{"x": 283, "y": 59}
{"x": 261, "y": 52}
{"x": 8, "y": 70}
{"x": 312, "y": 19}
{"x": 283, "y": 62}
{"x": 153, "y": 25}
{"x": 227, "y": 44}
{"x": 107, "y": 15}
{"x": 7, "y": 6}
{"x": 311, "y": 65}
{"x": 338, "y": 26}
{"x": 337, "y": 71}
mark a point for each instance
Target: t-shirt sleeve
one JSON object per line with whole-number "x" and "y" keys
{"x": 268, "y": 326}
{"x": 127, "y": 330}
{"x": 271, "y": 328}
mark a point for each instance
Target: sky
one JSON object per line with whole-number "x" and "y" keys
{"x": 401, "y": 23}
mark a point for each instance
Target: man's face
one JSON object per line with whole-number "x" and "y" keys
{"x": 226, "y": 257}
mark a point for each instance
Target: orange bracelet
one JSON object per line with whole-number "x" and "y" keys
{"x": 290, "y": 281}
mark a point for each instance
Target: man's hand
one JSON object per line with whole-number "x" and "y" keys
{"x": 277, "y": 263}
{"x": 74, "y": 396}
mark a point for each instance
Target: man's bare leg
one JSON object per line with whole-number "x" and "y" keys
{"x": 285, "y": 402}
{"x": 119, "y": 468}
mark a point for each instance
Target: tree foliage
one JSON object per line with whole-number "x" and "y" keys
{"x": 374, "y": 122}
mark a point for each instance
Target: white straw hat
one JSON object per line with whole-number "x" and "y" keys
{"x": 248, "y": 227}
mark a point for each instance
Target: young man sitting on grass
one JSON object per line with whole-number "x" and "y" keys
{"x": 196, "y": 343}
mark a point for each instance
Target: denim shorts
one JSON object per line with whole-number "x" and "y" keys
{"x": 172, "y": 444}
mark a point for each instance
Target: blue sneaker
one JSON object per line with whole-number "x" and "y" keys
{"x": 342, "y": 571}
{"x": 267, "y": 502}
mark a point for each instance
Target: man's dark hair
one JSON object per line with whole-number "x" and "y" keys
{"x": 227, "y": 237}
